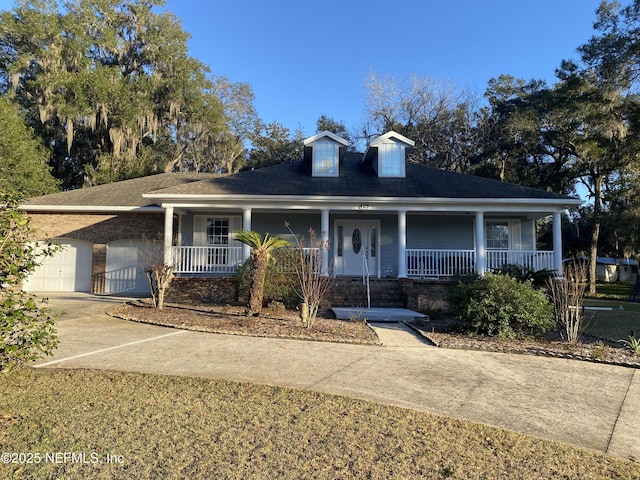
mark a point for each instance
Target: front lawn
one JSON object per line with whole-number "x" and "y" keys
{"x": 614, "y": 290}
{"x": 615, "y": 324}
{"x": 110, "y": 425}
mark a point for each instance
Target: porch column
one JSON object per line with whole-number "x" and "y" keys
{"x": 246, "y": 225}
{"x": 168, "y": 235}
{"x": 481, "y": 255}
{"x": 557, "y": 242}
{"x": 324, "y": 237}
{"x": 402, "y": 244}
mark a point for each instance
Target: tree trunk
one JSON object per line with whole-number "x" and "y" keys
{"x": 256, "y": 292}
{"x": 595, "y": 235}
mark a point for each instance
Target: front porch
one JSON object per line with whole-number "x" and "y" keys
{"x": 380, "y": 244}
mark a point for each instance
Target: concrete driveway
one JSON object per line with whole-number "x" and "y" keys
{"x": 586, "y": 404}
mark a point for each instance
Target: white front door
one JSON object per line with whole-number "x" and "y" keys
{"x": 356, "y": 247}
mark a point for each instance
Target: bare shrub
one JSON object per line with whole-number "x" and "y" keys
{"x": 159, "y": 274}
{"x": 567, "y": 295}
{"x": 314, "y": 287}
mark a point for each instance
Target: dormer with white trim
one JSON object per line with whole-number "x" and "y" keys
{"x": 323, "y": 152}
{"x": 387, "y": 154}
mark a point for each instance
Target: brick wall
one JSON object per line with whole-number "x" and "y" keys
{"x": 352, "y": 292}
{"x": 428, "y": 296}
{"x": 97, "y": 228}
{"x": 215, "y": 290}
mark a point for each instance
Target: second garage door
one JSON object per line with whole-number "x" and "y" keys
{"x": 124, "y": 272}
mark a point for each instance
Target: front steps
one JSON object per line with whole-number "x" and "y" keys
{"x": 352, "y": 292}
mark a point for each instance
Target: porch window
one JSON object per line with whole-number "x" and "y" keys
{"x": 497, "y": 235}
{"x": 218, "y": 235}
{"x": 325, "y": 159}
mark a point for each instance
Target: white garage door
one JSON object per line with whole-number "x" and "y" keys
{"x": 68, "y": 270}
{"x": 124, "y": 272}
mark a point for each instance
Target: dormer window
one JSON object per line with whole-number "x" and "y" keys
{"x": 323, "y": 152}
{"x": 391, "y": 159}
{"x": 325, "y": 159}
{"x": 387, "y": 154}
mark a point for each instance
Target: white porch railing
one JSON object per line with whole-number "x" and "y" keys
{"x": 533, "y": 259}
{"x": 447, "y": 263}
{"x": 420, "y": 262}
{"x": 211, "y": 259}
{"x": 439, "y": 263}
{"x": 312, "y": 255}
{"x": 208, "y": 259}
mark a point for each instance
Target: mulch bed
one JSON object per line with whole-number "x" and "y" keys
{"x": 231, "y": 319}
{"x": 280, "y": 323}
{"x": 589, "y": 348}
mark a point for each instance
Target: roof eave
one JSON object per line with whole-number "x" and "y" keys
{"x": 258, "y": 199}
{"x": 91, "y": 208}
{"x": 328, "y": 134}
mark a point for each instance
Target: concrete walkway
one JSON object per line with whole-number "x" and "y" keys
{"x": 590, "y": 405}
{"x": 398, "y": 335}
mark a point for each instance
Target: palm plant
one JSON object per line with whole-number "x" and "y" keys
{"x": 261, "y": 254}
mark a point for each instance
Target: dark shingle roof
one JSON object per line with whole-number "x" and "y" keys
{"x": 127, "y": 193}
{"x": 358, "y": 179}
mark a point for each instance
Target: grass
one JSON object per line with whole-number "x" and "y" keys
{"x": 618, "y": 323}
{"x": 176, "y": 427}
{"x": 614, "y": 291}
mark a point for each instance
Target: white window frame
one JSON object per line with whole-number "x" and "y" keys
{"x": 325, "y": 162}
{"x": 391, "y": 154}
{"x": 514, "y": 233}
{"x": 211, "y": 238}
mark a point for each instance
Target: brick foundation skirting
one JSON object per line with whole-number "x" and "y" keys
{"x": 428, "y": 296}
{"x": 215, "y": 290}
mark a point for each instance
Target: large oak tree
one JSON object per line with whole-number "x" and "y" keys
{"x": 109, "y": 86}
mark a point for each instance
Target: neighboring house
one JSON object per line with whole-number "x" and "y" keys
{"x": 383, "y": 217}
{"x": 616, "y": 269}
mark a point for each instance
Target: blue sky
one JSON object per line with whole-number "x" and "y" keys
{"x": 304, "y": 59}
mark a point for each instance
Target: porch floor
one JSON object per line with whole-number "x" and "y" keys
{"x": 377, "y": 314}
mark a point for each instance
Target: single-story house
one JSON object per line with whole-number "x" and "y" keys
{"x": 382, "y": 216}
{"x": 616, "y": 269}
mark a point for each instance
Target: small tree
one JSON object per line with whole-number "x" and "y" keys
{"x": 159, "y": 274}
{"x": 567, "y": 294}
{"x": 26, "y": 327}
{"x": 261, "y": 254}
{"x": 314, "y": 286}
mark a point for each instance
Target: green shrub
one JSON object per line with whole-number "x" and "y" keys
{"x": 280, "y": 282}
{"x": 538, "y": 278}
{"x": 27, "y": 328}
{"x": 501, "y": 305}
